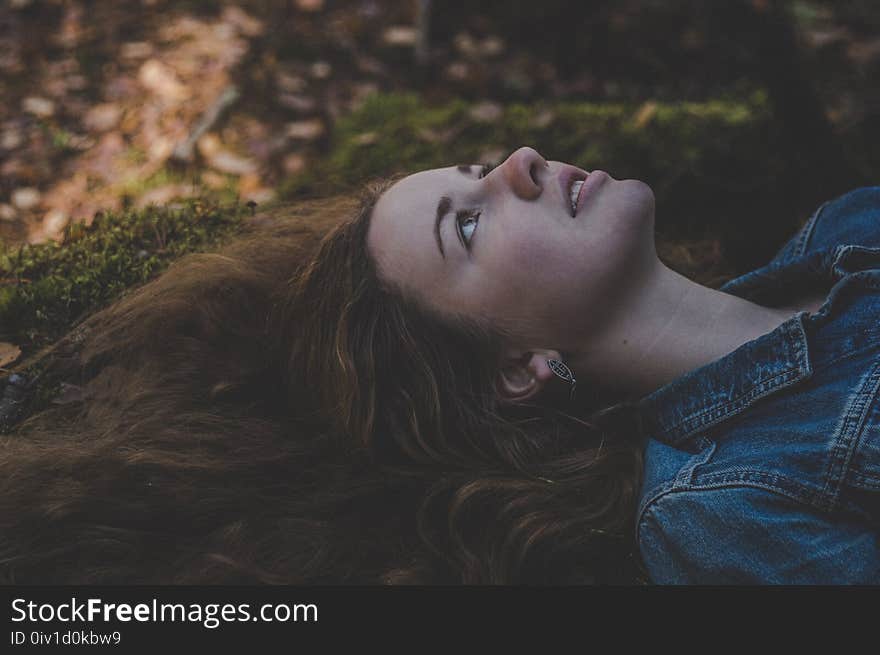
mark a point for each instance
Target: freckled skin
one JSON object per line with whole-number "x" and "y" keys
{"x": 532, "y": 267}
{"x": 589, "y": 289}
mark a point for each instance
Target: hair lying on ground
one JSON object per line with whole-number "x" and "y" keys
{"x": 275, "y": 413}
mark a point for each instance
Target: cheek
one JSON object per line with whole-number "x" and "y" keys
{"x": 539, "y": 279}
{"x": 550, "y": 259}
{"x": 534, "y": 250}
{"x": 568, "y": 279}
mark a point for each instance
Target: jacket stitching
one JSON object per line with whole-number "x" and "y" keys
{"x": 807, "y": 231}
{"x": 781, "y": 484}
{"x": 714, "y": 414}
{"x": 656, "y": 492}
{"x": 709, "y": 417}
{"x": 744, "y": 483}
{"x": 684, "y": 476}
{"x": 850, "y": 430}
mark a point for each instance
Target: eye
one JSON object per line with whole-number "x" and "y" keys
{"x": 467, "y": 224}
{"x": 485, "y": 169}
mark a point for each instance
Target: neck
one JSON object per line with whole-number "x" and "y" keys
{"x": 666, "y": 326}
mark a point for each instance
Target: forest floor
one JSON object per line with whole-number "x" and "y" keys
{"x": 110, "y": 105}
{"x": 117, "y": 115}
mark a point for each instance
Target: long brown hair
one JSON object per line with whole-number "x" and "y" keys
{"x": 275, "y": 412}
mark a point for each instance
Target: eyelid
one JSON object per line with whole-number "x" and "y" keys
{"x": 485, "y": 169}
{"x": 465, "y": 213}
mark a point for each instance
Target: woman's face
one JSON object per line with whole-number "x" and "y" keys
{"x": 532, "y": 267}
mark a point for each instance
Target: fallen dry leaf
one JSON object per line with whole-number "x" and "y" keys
{"x": 8, "y": 353}
{"x": 294, "y": 163}
{"x": 25, "y": 198}
{"x": 486, "y": 112}
{"x": 645, "y": 114}
{"x": 399, "y": 35}
{"x": 102, "y": 117}
{"x": 310, "y": 5}
{"x": 305, "y": 130}
{"x": 247, "y": 25}
{"x": 227, "y": 162}
{"x": 162, "y": 80}
{"x": 321, "y": 70}
{"x": 39, "y": 107}
{"x": 366, "y": 138}
{"x": 7, "y": 212}
{"x": 544, "y": 118}
{"x": 297, "y": 102}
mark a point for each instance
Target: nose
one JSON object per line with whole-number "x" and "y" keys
{"x": 523, "y": 171}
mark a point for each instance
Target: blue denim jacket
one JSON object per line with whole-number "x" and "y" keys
{"x": 763, "y": 466}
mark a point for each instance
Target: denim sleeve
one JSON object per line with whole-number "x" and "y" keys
{"x": 750, "y": 535}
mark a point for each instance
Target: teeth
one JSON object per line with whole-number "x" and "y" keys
{"x": 575, "y": 189}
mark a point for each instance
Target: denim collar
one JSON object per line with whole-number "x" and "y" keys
{"x": 725, "y": 387}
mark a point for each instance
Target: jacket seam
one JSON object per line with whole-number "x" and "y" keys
{"x": 807, "y": 231}
{"x": 685, "y": 474}
{"x": 656, "y": 493}
{"x": 712, "y": 415}
{"x": 714, "y": 486}
{"x": 850, "y": 430}
{"x": 781, "y": 484}
{"x": 775, "y": 482}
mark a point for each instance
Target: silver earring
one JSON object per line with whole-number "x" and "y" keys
{"x": 562, "y": 371}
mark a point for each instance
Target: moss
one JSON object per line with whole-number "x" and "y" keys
{"x": 690, "y": 153}
{"x": 45, "y": 288}
{"x": 135, "y": 186}
{"x": 650, "y": 141}
{"x": 680, "y": 149}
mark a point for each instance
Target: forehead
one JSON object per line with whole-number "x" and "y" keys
{"x": 401, "y": 233}
{"x": 416, "y": 189}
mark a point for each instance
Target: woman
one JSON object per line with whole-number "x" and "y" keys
{"x": 522, "y": 393}
{"x": 763, "y": 415}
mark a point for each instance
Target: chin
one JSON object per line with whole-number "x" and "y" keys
{"x": 639, "y": 199}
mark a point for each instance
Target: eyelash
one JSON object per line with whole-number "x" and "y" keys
{"x": 485, "y": 169}
{"x": 464, "y": 214}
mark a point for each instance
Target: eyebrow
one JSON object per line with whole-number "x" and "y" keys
{"x": 443, "y": 208}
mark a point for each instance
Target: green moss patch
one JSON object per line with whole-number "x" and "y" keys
{"x": 658, "y": 142}
{"x": 719, "y": 169}
{"x": 714, "y": 168}
{"x": 45, "y": 288}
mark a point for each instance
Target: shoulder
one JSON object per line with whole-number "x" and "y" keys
{"x": 852, "y": 218}
{"x": 743, "y": 534}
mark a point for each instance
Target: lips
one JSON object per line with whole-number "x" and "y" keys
{"x": 568, "y": 176}
{"x": 595, "y": 179}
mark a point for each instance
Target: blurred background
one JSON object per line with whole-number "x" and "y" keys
{"x": 743, "y": 116}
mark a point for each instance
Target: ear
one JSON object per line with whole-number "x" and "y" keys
{"x": 524, "y": 374}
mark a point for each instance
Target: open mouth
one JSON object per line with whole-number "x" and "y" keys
{"x": 574, "y": 193}
{"x": 572, "y": 184}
